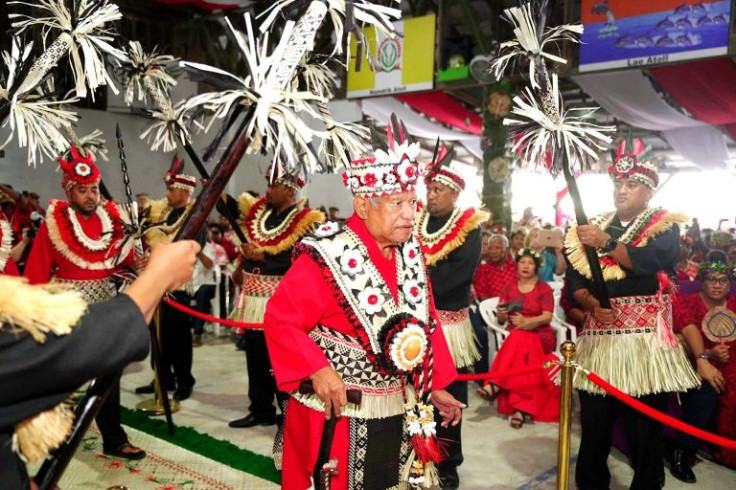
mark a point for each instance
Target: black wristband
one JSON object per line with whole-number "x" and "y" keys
{"x": 609, "y": 246}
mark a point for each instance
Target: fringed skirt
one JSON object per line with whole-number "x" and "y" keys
{"x": 636, "y": 353}
{"x": 459, "y": 336}
{"x": 257, "y": 289}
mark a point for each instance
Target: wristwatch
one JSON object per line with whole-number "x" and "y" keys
{"x": 703, "y": 355}
{"x": 609, "y": 246}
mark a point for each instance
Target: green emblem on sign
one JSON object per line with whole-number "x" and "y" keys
{"x": 389, "y": 55}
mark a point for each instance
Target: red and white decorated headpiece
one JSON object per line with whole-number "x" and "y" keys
{"x": 276, "y": 175}
{"x": 628, "y": 164}
{"x": 177, "y": 180}
{"x": 390, "y": 170}
{"x": 78, "y": 170}
{"x": 441, "y": 170}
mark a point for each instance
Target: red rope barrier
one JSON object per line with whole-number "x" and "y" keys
{"x": 210, "y": 318}
{"x": 659, "y": 416}
{"x": 233, "y": 323}
{"x": 501, "y": 374}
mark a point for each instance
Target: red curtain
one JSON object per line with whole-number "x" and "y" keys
{"x": 707, "y": 89}
{"x": 445, "y": 109}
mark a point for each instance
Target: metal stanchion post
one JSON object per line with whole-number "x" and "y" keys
{"x": 156, "y": 405}
{"x": 563, "y": 451}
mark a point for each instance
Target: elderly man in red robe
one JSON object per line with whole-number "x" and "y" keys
{"x": 355, "y": 311}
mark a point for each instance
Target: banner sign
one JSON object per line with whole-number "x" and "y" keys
{"x": 403, "y": 63}
{"x": 628, "y": 33}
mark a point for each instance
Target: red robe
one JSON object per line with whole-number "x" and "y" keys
{"x": 46, "y": 261}
{"x": 303, "y": 300}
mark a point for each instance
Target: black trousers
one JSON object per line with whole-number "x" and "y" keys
{"x": 598, "y": 414}
{"x": 481, "y": 333}
{"x": 176, "y": 343}
{"x": 451, "y": 436}
{"x": 108, "y": 420}
{"x": 698, "y": 407}
{"x": 203, "y": 297}
{"x": 262, "y": 390}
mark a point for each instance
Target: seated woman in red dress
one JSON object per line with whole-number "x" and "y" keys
{"x": 715, "y": 363}
{"x": 527, "y": 304}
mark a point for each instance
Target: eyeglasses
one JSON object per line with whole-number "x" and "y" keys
{"x": 723, "y": 281}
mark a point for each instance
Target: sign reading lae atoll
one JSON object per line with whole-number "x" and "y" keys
{"x": 625, "y": 33}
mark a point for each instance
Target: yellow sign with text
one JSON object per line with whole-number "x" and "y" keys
{"x": 402, "y": 63}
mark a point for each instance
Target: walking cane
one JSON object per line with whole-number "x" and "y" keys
{"x": 325, "y": 468}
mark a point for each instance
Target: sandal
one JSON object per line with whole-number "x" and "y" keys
{"x": 489, "y": 394}
{"x": 516, "y": 421}
{"x": 126, "y": 451}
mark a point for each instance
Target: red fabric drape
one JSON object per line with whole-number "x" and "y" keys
{"x": 707, "y": 89}
{"x": 445, "y": 109}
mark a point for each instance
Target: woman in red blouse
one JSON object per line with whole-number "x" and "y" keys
{"x": 528, "y": 305}
{"x": 715, "y": 363}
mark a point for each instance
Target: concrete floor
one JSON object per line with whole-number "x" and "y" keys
{"x": 496, "y": 456}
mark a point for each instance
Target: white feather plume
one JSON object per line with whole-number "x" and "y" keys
{"x": 37, "y": 123}
{"x": 365, "y": 12}
{"x": 87, "y": 41}
{"x": 167, "y": 128}
{"x": 275, "y": 123}
{"x": 544, "y": 126}
{"x": 139, "y": 66}
{"x": 36, "y": 120}
{"x": 528, "y": 44}
{"x": 90, "y": 143}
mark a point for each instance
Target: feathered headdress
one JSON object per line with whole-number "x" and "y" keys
{"x": 393, "y": 168}
{"x": 174, "y": 178}
{"x": 630, "y": 163}
{"x": 79, "y": 169}
{"x": 275, "y": 174}
{"x": 441, "y": 170}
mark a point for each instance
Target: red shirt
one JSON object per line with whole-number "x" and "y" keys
{"x": 689, "y": 309}
{"x": 230, "y": 249}
{"x": 491, "y": 278}
{"x": 46, "y": 261}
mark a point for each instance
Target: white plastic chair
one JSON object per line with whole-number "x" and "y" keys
{"x": 487, "y": 309}
{"x": 561, "y": 327}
